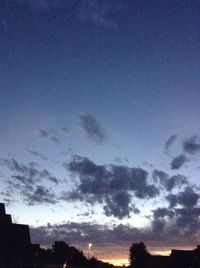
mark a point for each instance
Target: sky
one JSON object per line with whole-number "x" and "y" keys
{"x": 99, "y": 122}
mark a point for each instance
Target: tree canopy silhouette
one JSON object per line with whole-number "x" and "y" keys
{"x": 138, "y": 255}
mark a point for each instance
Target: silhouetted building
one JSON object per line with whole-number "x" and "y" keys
{"x": 185, "y": 258}
{"x": 15, "y": 242}
{"x": 157, "y": 261}
{"x": 177, "y": 259}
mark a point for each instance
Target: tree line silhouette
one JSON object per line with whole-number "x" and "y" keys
{"x": 59, "y": 256}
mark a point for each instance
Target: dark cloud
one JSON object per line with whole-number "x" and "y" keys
{"x": 160, "y": 215}
{"x": 178, "y": 161}
{"x": 187, "y": 198}
{"x": 113, "y": 185}
{"x": 180, "y": 222}
{"x": 36, "y": 153}
{"x": 24, "y": 179}
{"x": 182, "y": 216}
{"x": 192, "y": 145}
{"x": 92, "y": 128}
{"x": 118, "y": 204}
{"x": 40, "y": 195}
{"x": 188, "y": 218}
{"x": 169, "y": 143}
{"x": 171, "y": 198}
{"x": 158, "y": 225}
{"x": 169, "y": 183}
{"x": 81, "y": 233}
{"x": 72, "y": 196}
{"x": 29, "y": 173}
{"x": 43, "y": 133}
{"x": 117, "y": 237}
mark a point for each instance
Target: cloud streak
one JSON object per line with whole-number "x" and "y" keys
{"x": 32, "y": 184}
{"x": 192, "y": 145}
{"x": 178, "y": 161}
{"x": 169, "y": 143}
{"x": 38, "y": 154}
{"x": 92, "y": 128}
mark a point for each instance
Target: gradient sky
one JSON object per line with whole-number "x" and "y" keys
{"x": 99, "y": 122}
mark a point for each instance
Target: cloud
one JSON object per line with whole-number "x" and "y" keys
{"x": 43, "y": 133}
{"x": 182, "y": 216}
{"x": 160, "y": 215}
{"x": 162, "y": 212}
{"x": 116, "y": 240}
{"x": 80, "y": 233}
{"x": 169, "y": 183}
{"x": 112, "y": 185}
{"x": 180, "y": 222}
{"x": 171, "y": 198}
{"x": 187, "y": 198}
{"x": 169, "y": 143}
{"x": 39, "y": 195}
{"x": 29, "y": 173}
{"x": 65, "y": 130}
{"x": 192, "y": 145}
{"x": 92, "y": 128}
{"x": 36, "y": 153}
{"x": 55, "y": 140}
{"x": 178, "y": 161}
{"x": 118, "y": 205}
{"x": 188, "y": 219}
{"x": 98, "y": 12}
{"x": 27, "y": 180}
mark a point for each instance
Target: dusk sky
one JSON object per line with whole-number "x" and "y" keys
{"x": 99, "y": 122}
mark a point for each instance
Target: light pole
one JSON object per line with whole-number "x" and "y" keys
{"x": 89, "y": 250}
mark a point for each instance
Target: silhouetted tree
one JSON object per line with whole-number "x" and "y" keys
{"x": 60, "y": 250}
{"x": 138, "y": 255}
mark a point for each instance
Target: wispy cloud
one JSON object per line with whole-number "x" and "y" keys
{"x": 95, "y": 12}
{"x": 192, "y": 145}
{"x": 38, "y": 154}
{"x": 65, "y": 130}
{"x": 55, "y": 140}
{"x": 92, "y": 128}
{"x": 169, "y": 143}
{"x": 43, "y": 133}
{"x": 98, "y": 11}
{"x": 178, "y": 161}
{"x": 32, "y": 183}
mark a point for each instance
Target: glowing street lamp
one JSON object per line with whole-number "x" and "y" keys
{"x": 89, "y": 250}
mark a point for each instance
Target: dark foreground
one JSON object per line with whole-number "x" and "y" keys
{"x": 17, "y": 251}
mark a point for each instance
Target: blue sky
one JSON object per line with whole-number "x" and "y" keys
{"x": 99, "y": 122}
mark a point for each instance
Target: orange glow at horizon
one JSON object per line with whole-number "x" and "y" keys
{"x": 125, "y": 261}
{"x": 117, "y": 262}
